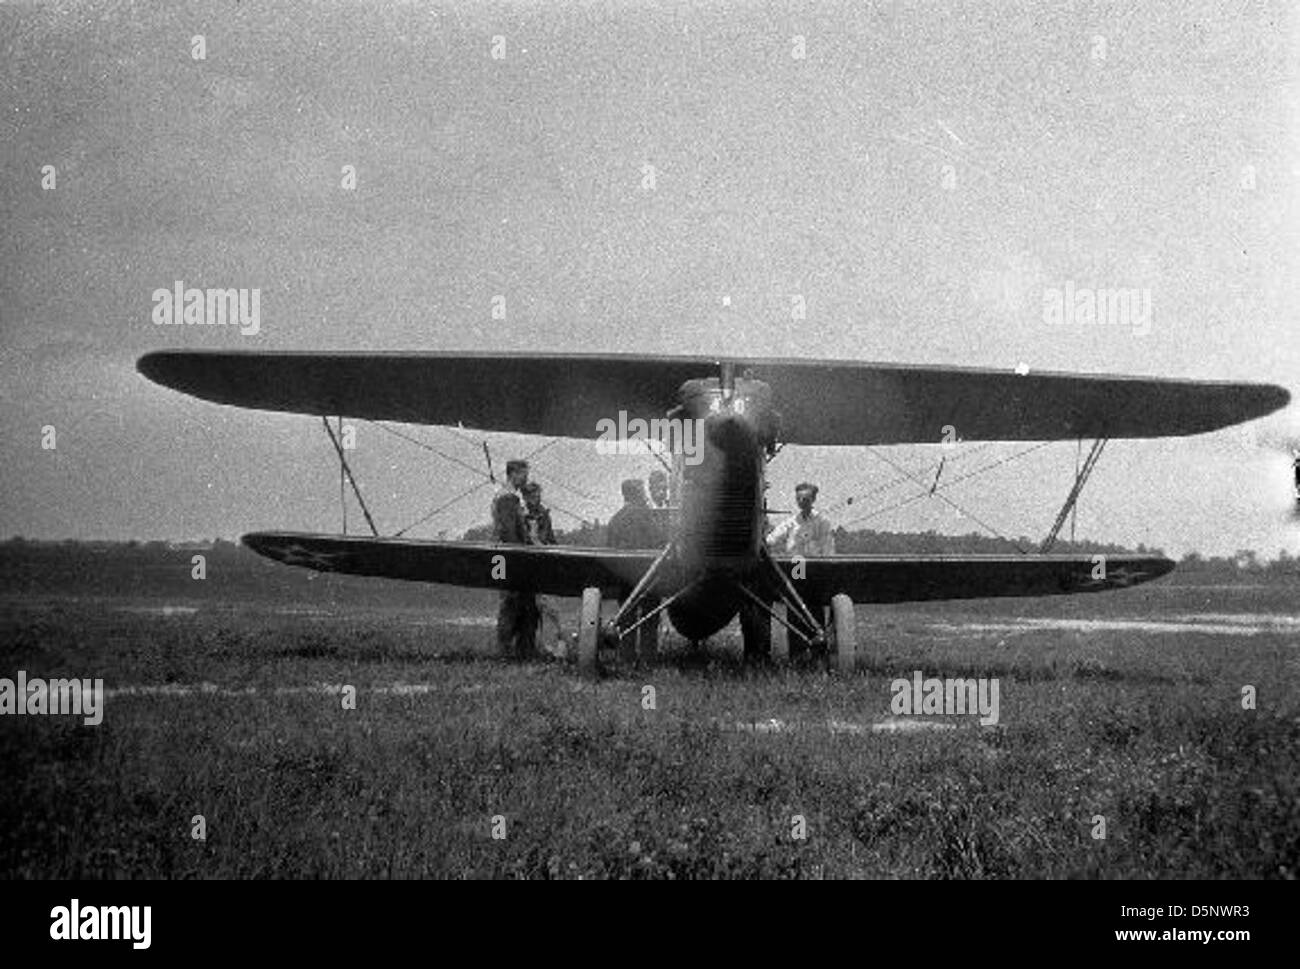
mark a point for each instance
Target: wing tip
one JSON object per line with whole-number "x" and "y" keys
{"x": 161, "y": 366}
{"x": 150, "y": 364}
{"x": 1274, "y": 397}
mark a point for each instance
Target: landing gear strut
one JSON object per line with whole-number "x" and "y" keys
{"x": 792, "y": 629}
{"x": 635, "y": 629}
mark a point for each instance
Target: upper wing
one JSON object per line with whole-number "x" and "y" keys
{"x": 914, "y": 578}
{"x": 558, "y": 396}
{"x": 560, "y": 570}
{"x": 856, "y": 403}
{"x": 823, "y": 402}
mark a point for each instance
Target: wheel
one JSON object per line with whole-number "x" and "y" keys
{"x": 589, "y": 633}
{"x": 780, "y": 634}
{"x": 844, "y": 629}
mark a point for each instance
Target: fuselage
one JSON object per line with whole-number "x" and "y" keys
{"x": 721, "y": 497}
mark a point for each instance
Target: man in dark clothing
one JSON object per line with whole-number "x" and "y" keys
{"x": 537, "y": 517}
{"x": 507, "y": 510}
{"x": 636, "y": 525}
{"x": 663, "y": 524}
{"x": 633, "y": 525}
{"x": 517, "y": 614}
{"x": 537, "y": 525}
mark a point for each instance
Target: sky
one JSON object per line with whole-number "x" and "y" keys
{"x": 650, "y": 178}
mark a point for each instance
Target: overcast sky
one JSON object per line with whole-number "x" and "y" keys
{"x": 921, "y": 175}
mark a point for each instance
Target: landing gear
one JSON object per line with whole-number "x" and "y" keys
{"x": 635, "y": 629}
{"x": 792, "y": 626}
{"x": 796, "y": 632}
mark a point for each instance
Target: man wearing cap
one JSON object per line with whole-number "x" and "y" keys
{"x": 517, "y": 614}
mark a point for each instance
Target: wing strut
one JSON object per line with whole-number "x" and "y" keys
{"x": 343, "y": 488}
{"x": 343, "y": 463}
{"x": 1081, "y": 476}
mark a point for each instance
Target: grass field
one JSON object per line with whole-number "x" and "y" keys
{"x": 1142, "y": 725}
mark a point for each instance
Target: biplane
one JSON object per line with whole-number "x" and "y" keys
{"x": 715, "y": 563}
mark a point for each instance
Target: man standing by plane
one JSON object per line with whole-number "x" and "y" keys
{"x": 636, "y": 525}
{"x": 537, "y": 517}
{"x": 633, "y": 525}
{"x": 648, "y": 645}
{"x": 806, "y": 532}
{"x": 659, "y": 506}
{"x": 517, "y": 614}
{"x": 540, "y": 531}
{"x": 658, "y": 489}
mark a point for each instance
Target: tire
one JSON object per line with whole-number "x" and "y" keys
{"x": 844, "y": 629}
{"x": 589, "y": 634}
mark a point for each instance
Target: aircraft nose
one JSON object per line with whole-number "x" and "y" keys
{"x": 728, "y": 431}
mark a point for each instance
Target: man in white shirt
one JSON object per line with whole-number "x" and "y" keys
{"x": 806, "y": 532}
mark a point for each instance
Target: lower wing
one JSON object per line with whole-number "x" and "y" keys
{"x": 917, "y": 578}
{"x": 563, "y": 570}
{"x": 558, "y": 570}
